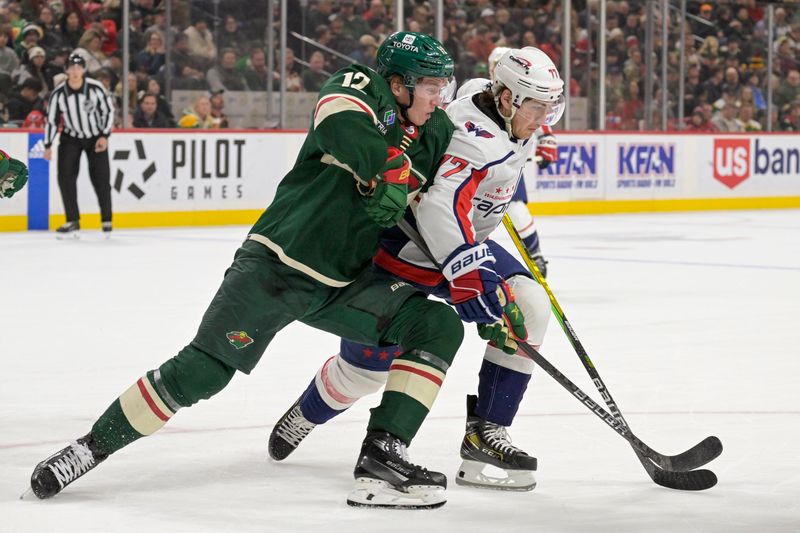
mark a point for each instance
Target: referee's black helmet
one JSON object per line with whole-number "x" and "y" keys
{"x": 76, "y": 59}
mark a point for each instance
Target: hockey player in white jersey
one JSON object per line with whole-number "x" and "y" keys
{"x": 546, "y": 152}
{"x": 462, "y": 206}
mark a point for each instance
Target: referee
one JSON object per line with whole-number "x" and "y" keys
{"x": 88, "y": 113}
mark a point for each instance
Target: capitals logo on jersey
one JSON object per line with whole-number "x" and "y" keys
{"x": 477, "y": 130}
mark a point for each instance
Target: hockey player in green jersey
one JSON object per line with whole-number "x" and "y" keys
{"x": 374, "y": 139}
{"x": 13, "y": 175}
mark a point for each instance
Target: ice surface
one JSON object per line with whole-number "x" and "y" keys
{"x": 691, "y": 320}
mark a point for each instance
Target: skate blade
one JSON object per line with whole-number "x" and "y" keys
{"x": 471, "y": 474}
{"x": 28, "y": 494}
{"x": 379, "y": 494}
{"x": 69, "y": 236}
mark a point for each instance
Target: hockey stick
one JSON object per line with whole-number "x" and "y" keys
{"x": 691, "y": 480}
{"x": 700, "y": 454}
{"x": 694, "y": 480}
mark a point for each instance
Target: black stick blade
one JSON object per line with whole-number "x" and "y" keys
{"x": 705, "y": 451}
{"x": 693, "y": 480}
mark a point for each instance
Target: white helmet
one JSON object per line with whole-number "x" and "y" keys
{"x": 494, "y": 57}
{"x": 530, "y": 73}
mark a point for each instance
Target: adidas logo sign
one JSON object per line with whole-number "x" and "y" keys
{"x": 37, "y": 151}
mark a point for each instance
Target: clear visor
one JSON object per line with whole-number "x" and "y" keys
{"x": 545, "y": 113}
{"x": 431, "y": 88}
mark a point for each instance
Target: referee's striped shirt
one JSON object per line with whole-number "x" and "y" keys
{"x": 88, "y": 112}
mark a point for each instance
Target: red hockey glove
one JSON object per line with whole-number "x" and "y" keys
{"x": 546, "y": 148}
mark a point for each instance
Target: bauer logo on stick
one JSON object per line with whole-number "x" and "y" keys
{"x": 239, "y": 339}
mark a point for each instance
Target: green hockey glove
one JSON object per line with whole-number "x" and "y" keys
{"x": 389, "y": 198}
{"x": 13, "y": 175}
{"x": 505, "y": 333}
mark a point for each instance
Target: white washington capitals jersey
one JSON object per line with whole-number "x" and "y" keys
{"x": 470, "y": 193}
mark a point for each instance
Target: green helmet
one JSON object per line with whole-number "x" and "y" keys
{"x": 413, "y": 55}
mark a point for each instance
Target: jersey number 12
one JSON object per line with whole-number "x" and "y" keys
{"x": 361, "y": 80}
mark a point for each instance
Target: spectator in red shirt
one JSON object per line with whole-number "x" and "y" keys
{"x": 614, "y": 116}
{"x": 480, "y": 45}
{"x": 697, "y": 122}
{"x": 552, "y": 47}
{"x": 633, "y": 110}
{"x": 376, "y": 9}
{"x": 107, "y": 29}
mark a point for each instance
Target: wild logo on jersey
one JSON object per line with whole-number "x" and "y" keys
{"x": 477, "y": 130}
{"x": 239, "y": 339}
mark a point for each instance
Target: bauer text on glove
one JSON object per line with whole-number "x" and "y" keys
{"x": 474, "y": 283}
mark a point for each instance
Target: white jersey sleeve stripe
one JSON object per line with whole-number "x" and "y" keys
{"x": 336, "y": 103}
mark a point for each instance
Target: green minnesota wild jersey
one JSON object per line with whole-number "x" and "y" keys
{"x": 317, "y": 223}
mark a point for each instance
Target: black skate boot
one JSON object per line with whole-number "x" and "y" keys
{"x": 70, "y": 230}
{"x": 62, "y": 468}
{"x": 107, "y": 228}
{"x": 385, "y": 477}
{"x": 486, "y": 443}
{"x": 289, "y": 432}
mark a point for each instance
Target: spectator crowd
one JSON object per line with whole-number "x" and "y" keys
{"x": 219, "y": 48}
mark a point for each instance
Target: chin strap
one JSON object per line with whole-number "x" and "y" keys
{"x": 506, "y": 119}
{"x": 404, "y": 108}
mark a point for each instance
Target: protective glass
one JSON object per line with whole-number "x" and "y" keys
{"x": 444, "y": 88}
{"x": 545, "y": 113}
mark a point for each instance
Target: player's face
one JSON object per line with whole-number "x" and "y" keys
{"x": 528, "y": 118}
{"x": 429, "y": 93}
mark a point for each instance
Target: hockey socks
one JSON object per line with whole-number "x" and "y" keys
{"x": 154, "y": 398}
{"x": 355, "y": 372}
{"x": 431, "y": 332}
{"x": 414, "y": 382}
{"x": 138, "y": 412}
{"x": 531, "y": 242}
{"x": 315, "y": 408}
{"x": 500, "y": 388}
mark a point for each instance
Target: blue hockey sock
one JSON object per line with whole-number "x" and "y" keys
{"x": 531, "y": 242}
{"x": 314, "y": 407}
{"x": 500, "y": 391}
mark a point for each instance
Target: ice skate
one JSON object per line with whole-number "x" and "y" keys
{"x": 385, "y": 477}
{"x": 486, "y": 446}
{"x": 62, "y": 468}
{"x": 107, "y": 228}
{"x": 538, "y": 259}
{"x": 289, "y": 432}
{"x": 70, "y": 230}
